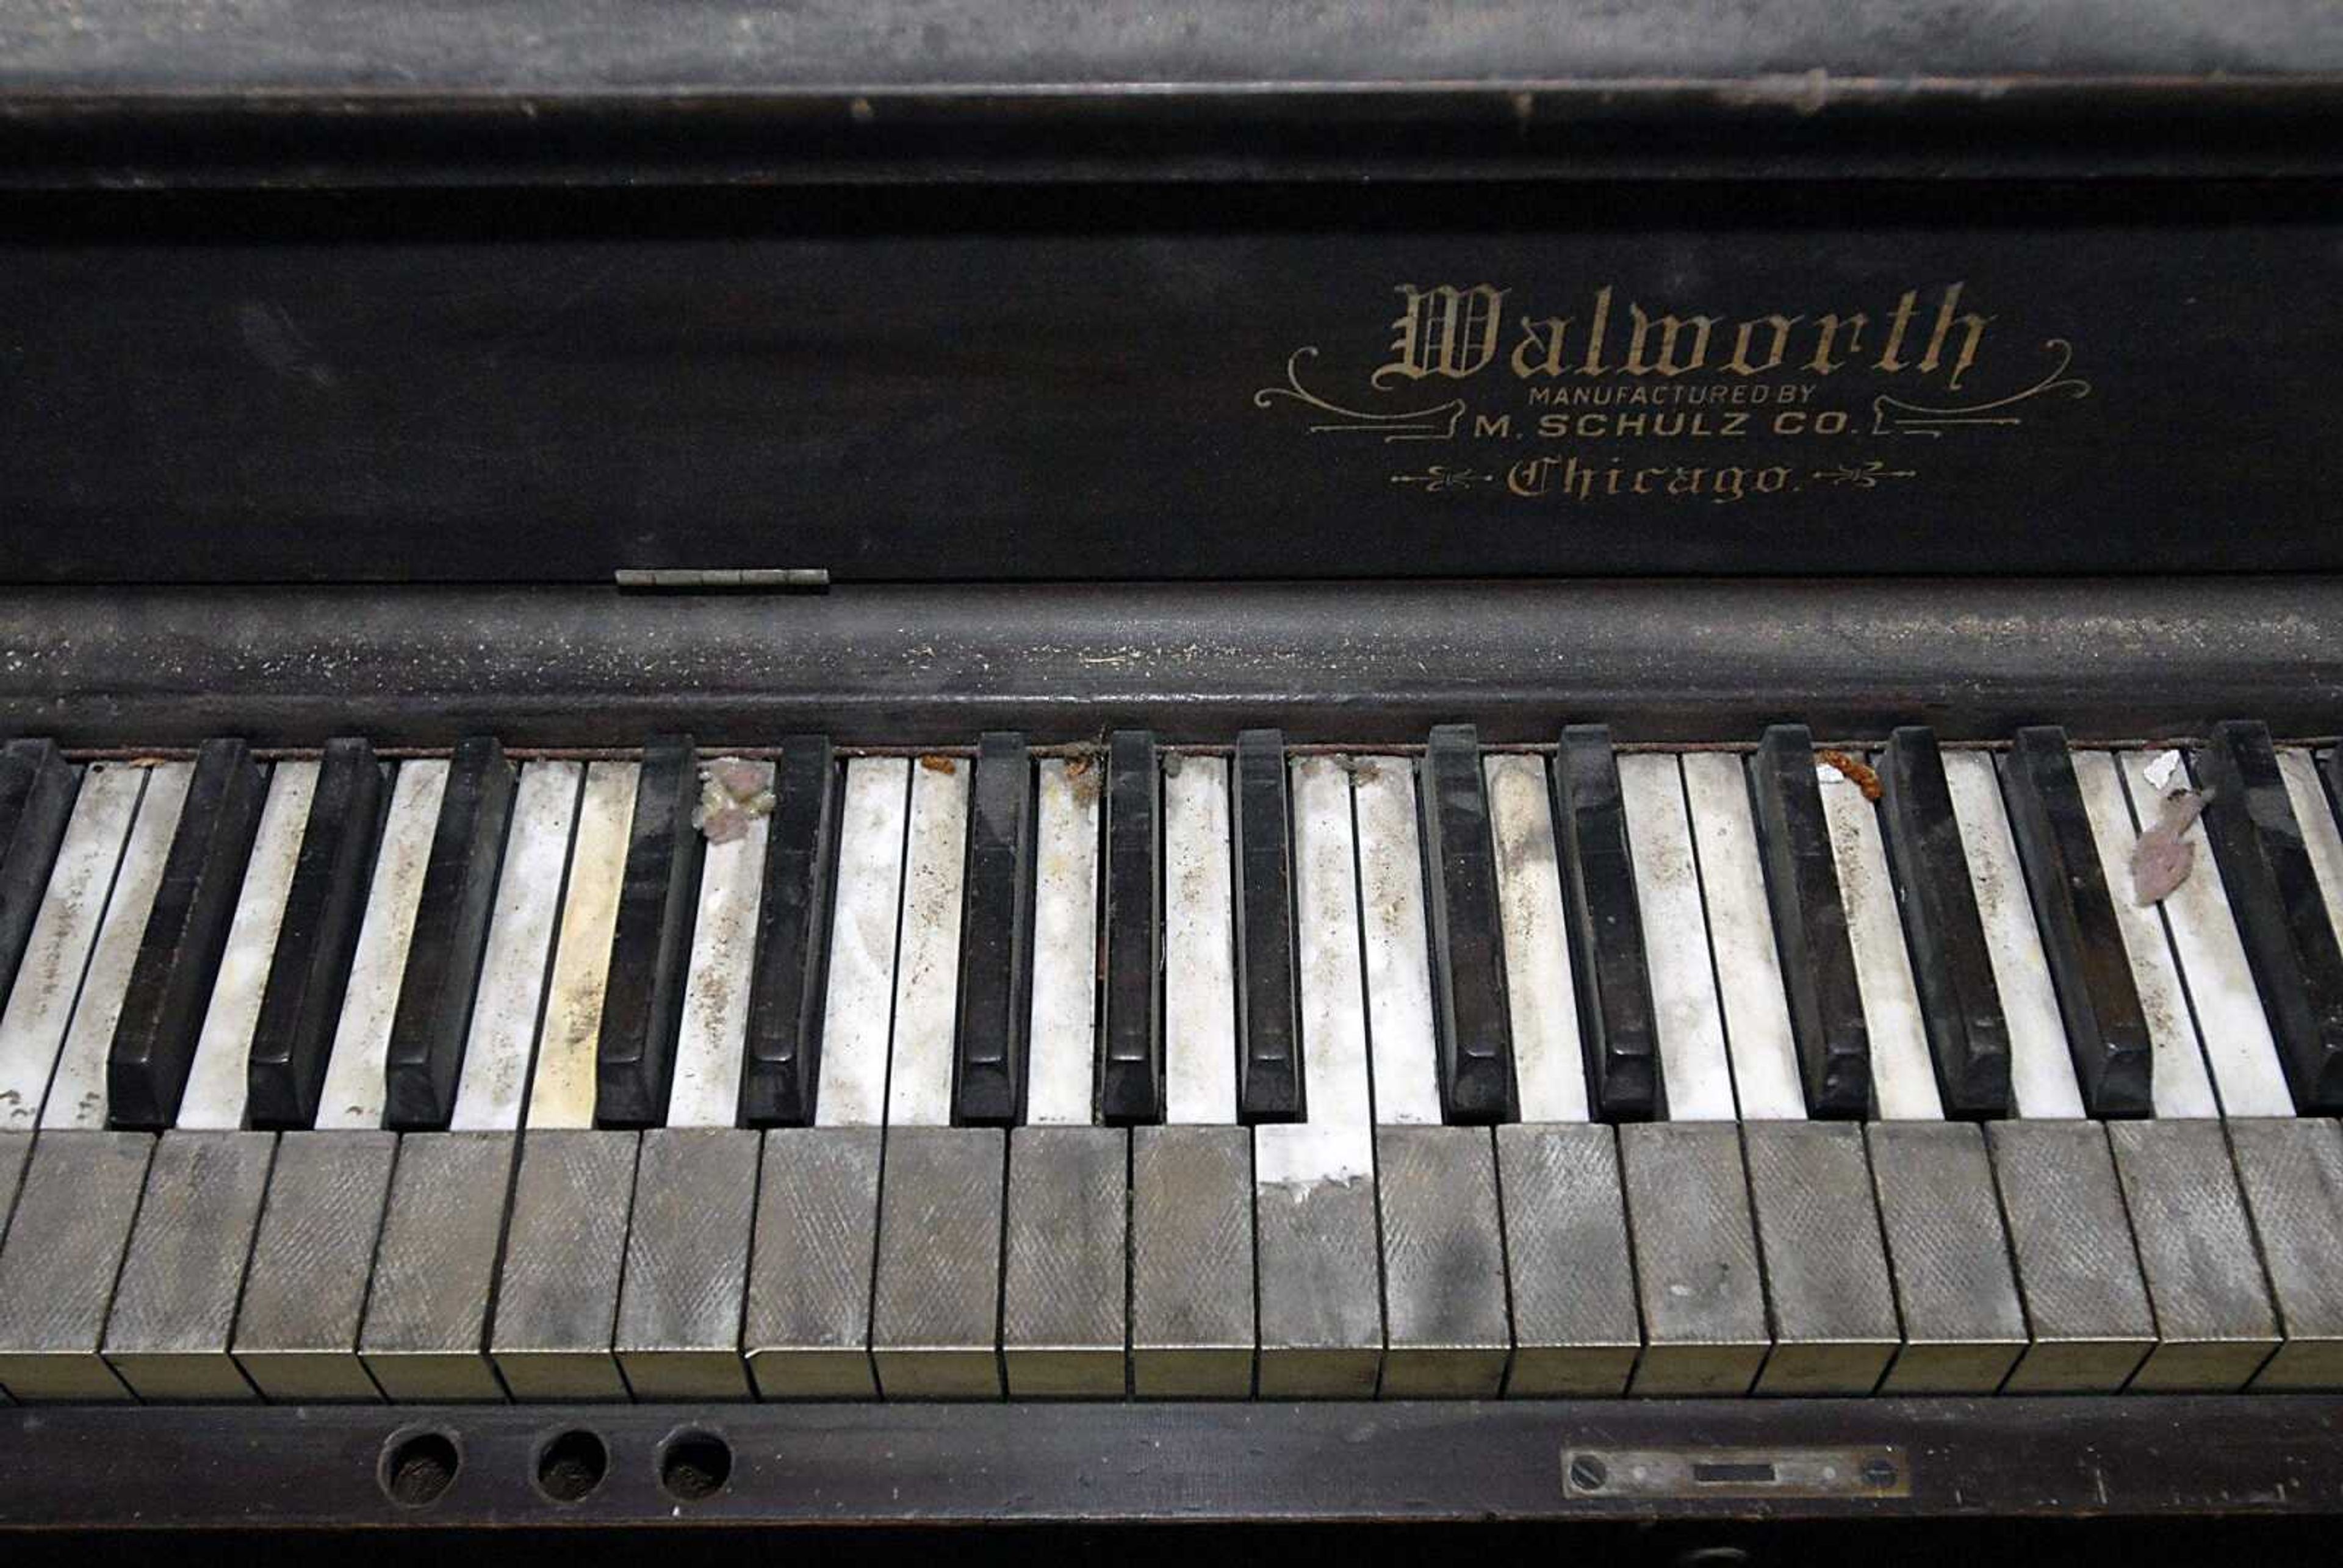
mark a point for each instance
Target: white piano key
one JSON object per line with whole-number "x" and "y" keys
{"x": 864, "y": 910}
{"x": 715, "y": 1028}
{"x": 2238, "y": 1047}
{"x": 1764, "y": 1052}
{"x": 353, "y": 1092}
{"x": 214, "y": 1100}
{"x": 926, "y": 960}
{"x": 2181, "y": 1086}
{"x": 1199, "y": 1020}
{"x": 1698, "y": 1074}
{"x": 1061, "y": 1060}
{"x": 1542, "y": 1001}
{"x": 561, "y": 1085}
{"x": 2041, "y": 1067}
{"x": 493, "y": 1089}
{"x": 1336, "y": 1086}
{"x": 76, "y": 1096}
{"x": 41, "y": 1006}
{"x": 1902, "y": 1074}
{"x": 1398, "y": 943}
{"x": 2320, "y": 836}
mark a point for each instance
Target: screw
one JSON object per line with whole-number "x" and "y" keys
{"x": 1587, "y": 1472}
{"x": 1879, "y": 1472}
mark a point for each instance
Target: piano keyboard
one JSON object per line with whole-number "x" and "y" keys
{"x": 1140, "y": 1071}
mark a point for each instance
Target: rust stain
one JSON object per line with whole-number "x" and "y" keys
{"x": 1859, "y": 773}
{"x": 939, "y": 764}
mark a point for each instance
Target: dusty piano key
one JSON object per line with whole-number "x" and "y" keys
{"x": 426, "y": 1330}
{"x": 679, "y": 1308}
{"x": 1199, "y": 1015}
{"x": 40, "y": 1007}
{"x": 174, "y": 1305}
{"x": 1761, "y": 1041}
{"x": 1447, "y": 1336}
{"x": 1192, "y": 1262}
{"x": 2077, "y": 1272}
{"x": 556, "y": 1302}
{"x": 1833, "y": 1308}
{"x": 38, "y": 787}
{"x": 1968, "y": 1035}
{"x": 1467, "y": 939}
{"x": 996, "y": 944}
{"x": 1964, "y": 1326}
{"x": 2274, "y": 891}
{"x": 1316, "y": 1248}
{"x": 2215, "y": 1325}
{"x": 496, "y": 1091}
{"x": 1568, "y": 1272}
{"x": 1065, "y": 1269}
{"x": 806, "y": 1330}
{"x": 352, "y": 1095}
{"x": 642, "y": 1003}
{"x": 2075, "y": 913}
{"x": 1679, "y": 962}
{"x": 58, "y": 1263}
{"x": 178, "y": 955}
{"x": 936, "y": 1293}
{"x": 1269, "y": 1086}
{"x": 2322, "y": 836}
{"x": 1810, "y": 925}
{"x": 1395, "y": 943}
{"x": 316, "y": 939}
{"x": 786, "y": 996}
{"x": 1061, "y": 1039}
{"x": 560, "y": 1009}
{"x": 1550, "y": 1071}
{"x": 1615, "y": 1018}
{"x": 2291, "y": 1173}
{"x": 447, "y": 937}
{"x": 305, "y": 1292}
{"x": 1696, "y": 1269}
{"x": 1130, "y": 1069}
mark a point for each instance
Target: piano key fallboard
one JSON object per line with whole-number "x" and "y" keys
{"x": 1440, "y": 1070}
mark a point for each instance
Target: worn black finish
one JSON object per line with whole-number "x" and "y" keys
{"x": 2109, "y": 658}
{"x": 782, "y": 1062}
{"x": 2076, "y": 914}
{"x": 1269, "y": 1085}
{"x": 37, "y": 789}
{"x": 664, "y": 365}
{"x": 2106, "y": 1456}
{"x": 309, "y": 971}
{"x": 428, "y": 1029}
{"x": 178, "y": 955}
{"x": 651, "y": 943}
{"x": 1825, "y": 999}
{"x": 1467, "y": 938}
{"x": 1617, "y": 1027}
{"x": 1130, "y": 1065}
{"x": 996, "y": 939}
{"x": 1969, "y": 1037}
{"x": 2274, "y": 893}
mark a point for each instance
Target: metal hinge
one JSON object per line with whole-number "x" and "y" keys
{"x": 675, "y": 580}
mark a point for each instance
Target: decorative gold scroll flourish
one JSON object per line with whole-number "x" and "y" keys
{"x": 1917, "y": 419}
{"x": 1437, "y": 423}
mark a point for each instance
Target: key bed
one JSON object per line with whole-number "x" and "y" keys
{"x": 1440, "y": 1072}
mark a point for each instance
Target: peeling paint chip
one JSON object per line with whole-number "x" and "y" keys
{"x": 732, "y": 794}
{"x": 2162, "y": 859}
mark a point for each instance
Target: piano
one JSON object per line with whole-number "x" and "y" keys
{"x": 958, "y": 762}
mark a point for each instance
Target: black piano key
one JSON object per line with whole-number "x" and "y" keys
{"x": 996, "y": 941}
{"x": 2098, "y": 1000}
{"x": 1616, "y": 1022}
{"x": 1269, "y": 1033}
{"x": 301, "y": 1005}
{"x": 451, "y": 932}
{"x": 1959, "y": 1003}
{"x": 1130, "y": 1065}
{"x": 186, "y": 930}
{"x": 2274, "y": 891}
{"x": 1810, "y": 925}
{"x": 781, "y": 1065}
{"x": 1473, "y": 1022}
{"x": 38, "y": 787}
{"x": 651, "y": 943}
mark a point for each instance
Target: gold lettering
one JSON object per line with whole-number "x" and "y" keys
{"x": 1827, "y": 329}
{"x": 1445, "y": 331}
{"x": 1891, "y": 358}
{"x": 1779, "y": 345}
{"x": 1671, "y": 328}
{"x": 1539, "y": 352}
{"x": 1973, "y": 334}
{"x": 1595, "y": 333}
